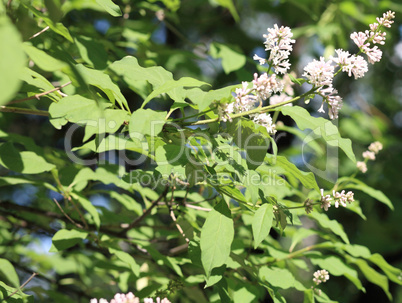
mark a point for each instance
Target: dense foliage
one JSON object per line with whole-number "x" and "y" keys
{"x": 176, "y": 149}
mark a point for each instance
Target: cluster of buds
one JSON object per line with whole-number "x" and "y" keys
{"x": 369, "y": 154}
{"x": 320, "y": 276}
{"x": 129, "y": 298}
{"x": 339, "y": 198}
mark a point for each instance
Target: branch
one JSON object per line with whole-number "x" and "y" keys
{"x": 258, "y": 110}
{"x": 37, "y": 96}
{"x": 146, "y": 212}
{"x": 26, "y": 111}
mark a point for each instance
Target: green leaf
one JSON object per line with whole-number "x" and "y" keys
{"x": 337, "y": 267}
{"x": 231, "y": 7}
{"x": 146, "y": 122}
{"x": 12, "y": 60}
{"x": 308, "y": 296}
{"x": 42, "y": 59}
{"x": 110, "y": 7}
{"x": 25, "y": 162}
{"x": 204, "y": 99}
{"x": 58, "y": 28}
{"x": 111, "y": 121}
{"x": 18, "y": 296}
{"x": 231, "y": 59}
{"x": 87, "y": 205}
{"x": 250, "y": 137}
{"x": 262, "y": 222}
{"x": 8, "y": 271}
{"x": 92, "y": 52}
{"x": 168, "y": 86}
{"x": 333, "y": 225}
{"x": 300, "y": 235}
{"x": 373, "y": 276}
{"x": 65, "y": 238}
{"x": 279, "y": 277}
{"x": 102, "y": 81}
{"x": 76, "y": 109}
{"x": 127, "y": 259}
{"x": 393, "y": 273}
{"x": 231, "y": 191}
{"x": 322, "y": 128}
{"x": 375, "y": 193}
{"x": 305, "y": 178}
{"x": 216, "y": 237}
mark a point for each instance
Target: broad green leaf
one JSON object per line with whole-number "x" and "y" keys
{"x": 110, "y": 7}
{"x": 262, "y": 222}
{"x": 65, "y": 238}
{"x": 42, "y": 59}
{"x": 322, "y": 128}
{"x": 87, "y": 205}
{"x": 279, "y": 277}
{"x": 216, "y": 237}
{"x": 35, "y": 79}
{"x": 146, "y": 122}
{"x": 167, "y": 261}
{"x": 58, "y": 28}
{"x": 333, "y": 225}
{"x": 92, "y": 52}
{"x": 18, "y": 296}
{"x": 102, "y": 81}
{"x": 25, "y": 162}
{"x": 337, "y": 267}
{"x": 375, "y": 193}
{"x": 168, "y": 86}
{"x": 77, "y": 109}
{"x": 372, "y": 275}
{"x": 138, "y": 77}
{"x": 204, "y": 99}
{"x": 231, "y": 191}
{"x": 231, "y": 59}
{"x": 358, "y": 251}
{"x": 111, "y": 121}
{"x": 128, "y": 259}
{"x": 305, "y": 178}
{"x": 393, "y": 273}
{"x": 250, "y": 137}
{"x": 7, "y": 270}
{"x": 5, "y": 181}
{"x": 12, "y": 60}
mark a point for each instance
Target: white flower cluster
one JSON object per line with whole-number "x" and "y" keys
{"x": 129, "y": 298}
{"x": 320, "y": 276}
{"x": 369, "y": 154}
{"x": 266, "y": 121}
{"x": 278, "y": 41}
{"x": 321, "y": 73}
{"x": 287, "y": 92}
{"x": 339, "y": 198}
{"x": 374, "y": 36}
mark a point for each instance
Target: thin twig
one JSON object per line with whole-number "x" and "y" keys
{"x": 146, "y": 212}
{"x": 80, "y": 214}
{"x": 22, "y": 286}
{"x": 197, "y": 207}
{"x": 71, "y": 220}
{"x": 26, "y": 111}
{"x": 38, "y": 33}
{"x": 37, "y": 96}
